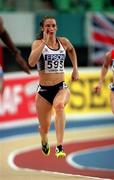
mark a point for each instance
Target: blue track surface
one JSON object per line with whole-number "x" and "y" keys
{"x": 71, "y": 124}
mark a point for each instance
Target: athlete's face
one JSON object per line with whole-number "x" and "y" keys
{"x": 50, "y": 26}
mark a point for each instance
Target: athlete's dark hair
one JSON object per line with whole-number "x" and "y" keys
{"x": 40, "y": 35}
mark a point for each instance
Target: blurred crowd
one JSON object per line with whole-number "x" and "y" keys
{"x": 56, "y": 5}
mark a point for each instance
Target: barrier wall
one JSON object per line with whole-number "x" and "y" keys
{"x": 82, "y": 99}
{"x": 18, "y": 99}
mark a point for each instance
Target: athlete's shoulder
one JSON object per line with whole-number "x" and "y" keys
{"x": 65, "y": 42}
{"x": 35, "y": 43}
{"x": 107, "y": 58}
{"x": 63, "y": 39}
{"x": 108, "y": 54}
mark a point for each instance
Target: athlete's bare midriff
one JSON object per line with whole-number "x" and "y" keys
{"x": 50, "y": 79}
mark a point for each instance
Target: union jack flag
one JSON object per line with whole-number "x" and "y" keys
{"x": 100, "y": 36}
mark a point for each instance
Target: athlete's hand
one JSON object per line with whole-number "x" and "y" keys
{"x": 75, "y": 75}
{"x": 46, "y": 35}
{"x": 20, "y": 60}
{"x": 97, "y": 89}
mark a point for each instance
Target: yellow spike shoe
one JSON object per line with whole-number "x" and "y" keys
{"x": 60, "y": 152}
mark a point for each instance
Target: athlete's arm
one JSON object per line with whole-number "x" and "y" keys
{"x": 36, "y": 52}
{"x": 5, "y": 37}
{"x": 104, "y": 70}
{"x": 105, "y": 66}
{"x": 1, "y": 26}
{"x": 73, "y": 57}
{"x": 37, "y": 48}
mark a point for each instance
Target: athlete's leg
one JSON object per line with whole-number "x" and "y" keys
{"x": 60, "y": 100}
{"x": 44, "y": 110}
{"x": 112, "y": 101}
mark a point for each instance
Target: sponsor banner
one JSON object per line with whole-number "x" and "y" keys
{"x": 82, "y": 99}
{"x": 18, "y": 99}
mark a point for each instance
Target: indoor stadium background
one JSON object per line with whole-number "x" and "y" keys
{"x": 89, "y": 132}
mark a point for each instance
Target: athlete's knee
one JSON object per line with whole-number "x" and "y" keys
{"x": 44, "y": 129}
{"x": 59, "y": 106}
{"x": 113, "y": 111}
{"x": 112, "y": 106}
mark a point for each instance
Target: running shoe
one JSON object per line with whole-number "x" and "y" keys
{"x": 60, "y": 152}
{"x": 45, "y": 149}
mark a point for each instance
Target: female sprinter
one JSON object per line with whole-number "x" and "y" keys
{"x": 49, "y": 53}
{"x": 109, "y": 61}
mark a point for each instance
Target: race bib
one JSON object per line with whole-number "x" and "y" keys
{"x": 52, "y": 66}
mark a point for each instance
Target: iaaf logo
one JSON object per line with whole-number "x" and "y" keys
{"x": 11, "y": 99}
{"x": 18, "y": 99}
